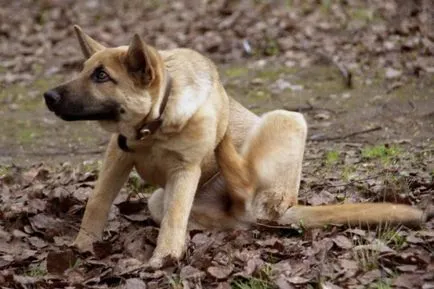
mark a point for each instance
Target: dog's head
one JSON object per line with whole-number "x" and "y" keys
{"x": 118, "y": 86}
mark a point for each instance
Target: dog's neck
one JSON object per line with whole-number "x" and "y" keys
{"x": 146, "y": 128}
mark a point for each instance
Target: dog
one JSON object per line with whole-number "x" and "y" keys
{"x": 217, "y": 165}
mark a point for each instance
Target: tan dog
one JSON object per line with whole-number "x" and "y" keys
{"x": 168, "y": 112}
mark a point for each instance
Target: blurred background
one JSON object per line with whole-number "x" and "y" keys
{"x": 348, "y": 65}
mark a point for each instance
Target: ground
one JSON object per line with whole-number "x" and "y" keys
{"x": 361, "y": 74}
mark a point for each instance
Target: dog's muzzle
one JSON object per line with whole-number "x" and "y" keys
{"x": 52, "y": 98}
{"x": 70, "y": 106}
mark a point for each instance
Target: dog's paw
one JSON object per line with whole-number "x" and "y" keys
{"x": 270, "y": 205}
{"x": 84, "y": 243}
{"x": 158, "y": 262}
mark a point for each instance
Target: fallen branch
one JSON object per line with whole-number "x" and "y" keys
{"x": 326, "y": 138}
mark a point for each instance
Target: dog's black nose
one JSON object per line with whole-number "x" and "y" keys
{"x": 52, "y": 98}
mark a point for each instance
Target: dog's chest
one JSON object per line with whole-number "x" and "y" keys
{"x": 152, "y": 167}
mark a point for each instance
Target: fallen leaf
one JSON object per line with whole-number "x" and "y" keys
{"x": 343, "y": 242}
{"x": 298, "y": 280}
{"x": 59, "y": 261}
{"x": 134, "y": 283}
{"x": 219, "y": 272}
{"x": 408, "y": 281}
{"x": 190, "y": 272}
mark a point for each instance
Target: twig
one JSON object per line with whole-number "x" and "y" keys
{"x": 346, "y": 135}
{"x": 346, "y": 74}
{"x": 308, "y": 107}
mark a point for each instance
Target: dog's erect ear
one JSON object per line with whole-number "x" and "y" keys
{"x": 87, "y": 44}
{"x": 139, "y": 60}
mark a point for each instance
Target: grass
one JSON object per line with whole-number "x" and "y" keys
{"x": 4, "y": 170}
{"x": 251, "y": 283}
{"x": 332, "y": 157}
{"x": 381, "y": 284}
{"x": 236, "y": 71}
{"x": 271, "y": 48}
{"x": 91, "y": 166}
{"x": 136, "y": 186}
{"x": 392, "y": 236}
{"x": 383, "y": 152}
{"x": 76, "y": 264}
{"x": 367, "y": 258}
{"x": 367, "y": 252}
{"x": 175, "y": 282}
{"x": 348, "y": 173}
{"x": 260, "y": 282}
{"x": 258, "y": 95}
{"x": 26, "y": 135}
{"x": 36, "y": 271}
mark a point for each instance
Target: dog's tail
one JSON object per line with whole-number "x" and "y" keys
{"x": 240, "y": 181}
{"x": 353, "y": 215}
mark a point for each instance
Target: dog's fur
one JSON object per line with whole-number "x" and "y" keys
{"x": 261, "y": 182}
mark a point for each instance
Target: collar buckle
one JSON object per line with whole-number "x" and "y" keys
{"x": 144, "y": 133}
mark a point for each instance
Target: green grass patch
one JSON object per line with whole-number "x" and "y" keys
{"x": 382, "y": 284}
{"x": 4, "y": 171}
{"x": 236, "y": 71}
{"x": 348, "y": 173}
{"x": 258, "y": 95}
{"x": 392, "y": 236}
{"x": 36, "y": 271}
{"x": 251, "y": 283}
{"x": 382, "y": 152}
{"x": 26, "y": 135}
{"x": 262, "y": 281}
{"x": 367, "y": 252}
{"x": 332, "y": 157}
{"x": 175, "y": 282}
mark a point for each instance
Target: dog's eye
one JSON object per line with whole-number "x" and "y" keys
{"x": 100, "y": 76}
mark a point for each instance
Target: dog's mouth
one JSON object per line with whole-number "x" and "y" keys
{"x": 95, "y": 113}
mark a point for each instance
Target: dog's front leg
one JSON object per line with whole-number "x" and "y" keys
{"x": 180, "y": 191}
{"x": 116, "y": 168}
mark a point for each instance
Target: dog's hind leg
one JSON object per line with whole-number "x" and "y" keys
{"x": 156, "y": 205}
{"x": 267, "y": 174}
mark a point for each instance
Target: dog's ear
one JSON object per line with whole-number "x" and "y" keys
{"x": 139, "y": 60}
{"x": 87, "y": 44}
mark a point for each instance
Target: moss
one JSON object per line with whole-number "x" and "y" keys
{"x": 275, "y": 73}
{"x": 26, "y": 135}
{"x": 236, "y": 71}
{"x": 258, "y": 95}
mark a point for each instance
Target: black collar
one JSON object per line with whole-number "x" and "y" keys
{"x": 145, "y": 129}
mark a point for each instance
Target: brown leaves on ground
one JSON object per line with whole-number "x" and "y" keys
{"x": 41, "y": 209}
